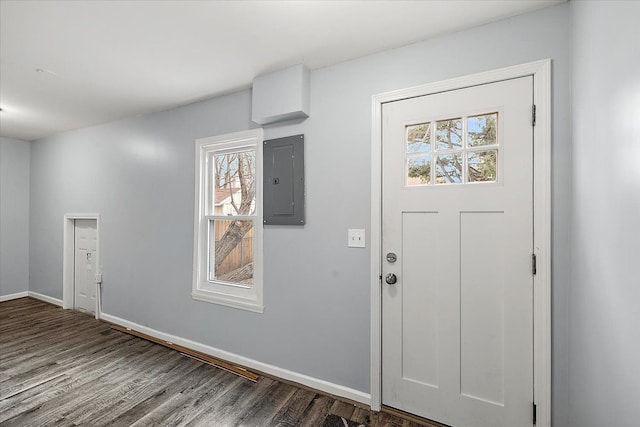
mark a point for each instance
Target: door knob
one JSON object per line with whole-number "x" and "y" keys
{"x": 391, "y": 279}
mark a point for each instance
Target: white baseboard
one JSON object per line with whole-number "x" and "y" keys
{"x": 315, "y": 383}
{"x": 14, "y": 296}
{"x": 32, "y": 294}
{"x": 45, "y": 298}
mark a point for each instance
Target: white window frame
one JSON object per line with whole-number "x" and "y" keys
{"x": 214, "y": 291}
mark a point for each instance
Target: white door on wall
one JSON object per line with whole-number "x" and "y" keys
{"x": 457, "y": 328}
{"x": 85, "y": 244}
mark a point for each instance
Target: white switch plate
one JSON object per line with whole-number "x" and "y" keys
{"x": 356, "y": 238}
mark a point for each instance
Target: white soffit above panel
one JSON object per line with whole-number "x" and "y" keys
{"x": 100, "y": 61}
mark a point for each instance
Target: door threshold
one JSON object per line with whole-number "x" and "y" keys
{"x": 83, "y": 311}
{"x": 411, "y": 417}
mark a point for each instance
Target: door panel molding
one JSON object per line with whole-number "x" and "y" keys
{"x": 68, "y": 257}
{"x": 541, "y": 72}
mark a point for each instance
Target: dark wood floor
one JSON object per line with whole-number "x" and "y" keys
{"x": 63, "y": 368}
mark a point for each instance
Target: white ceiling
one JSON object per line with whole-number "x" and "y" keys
{"x": 105, "y": 60}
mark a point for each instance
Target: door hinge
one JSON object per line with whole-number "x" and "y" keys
{"x": 533, "y": 115}
{"x": 534, "y": 267}
{"x": 535, "y": 415}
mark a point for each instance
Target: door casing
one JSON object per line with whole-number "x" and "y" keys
{"x": 68, "y": 246}
{"x": 541, "y": 72}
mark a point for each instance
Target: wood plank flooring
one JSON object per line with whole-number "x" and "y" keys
{"x": 64, "y": 368}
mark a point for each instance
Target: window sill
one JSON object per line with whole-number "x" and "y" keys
{"x": 227, "y": 300}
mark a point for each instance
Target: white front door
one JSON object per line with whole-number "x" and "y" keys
{"x": 457, "y": 329}
{"x": 85, "y": 255}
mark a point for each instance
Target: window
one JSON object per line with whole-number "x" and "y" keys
{"x": 449, "y": 160}
{"x": 228, "y": 220}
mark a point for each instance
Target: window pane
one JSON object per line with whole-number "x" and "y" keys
{"x": 419, "y": 138}
{"x": 449, "y": 168}
{"x": 449, "y": 134}
{"x": 231, "y": 251}
{"x": 419, "y": 170}
{"x": 482, "y": 130}
{"x": 233, "y": 186}
{"x": 482, "y": 166}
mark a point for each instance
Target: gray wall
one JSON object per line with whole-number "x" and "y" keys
{"x": 138, "y": 173}
{"x": 605, "y": 286}
{"x": 14, "y": 216}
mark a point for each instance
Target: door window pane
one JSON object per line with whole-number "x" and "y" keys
{"x": 231, "y": 251}
{"x": 419, "y": 138}
{"x": 482, "y": 166}
{"x": 449, "y": 134}
{"x": 419, "y": 170}
{"x": 482, "y": 130}
{"x": 449, "y": 169}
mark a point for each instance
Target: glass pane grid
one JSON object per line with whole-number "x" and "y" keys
{"x": 465, "y": 150}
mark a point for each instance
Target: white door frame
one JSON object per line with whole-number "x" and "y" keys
{"x": 541, "y": 72}
{"x": 68, "y": 247}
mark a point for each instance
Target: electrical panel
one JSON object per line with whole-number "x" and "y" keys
{"x": 283, "y": 187}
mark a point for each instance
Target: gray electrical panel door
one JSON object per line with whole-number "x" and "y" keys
{"x": 284, "y": 181}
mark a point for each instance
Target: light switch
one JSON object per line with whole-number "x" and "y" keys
{"x": 356, "y": 238}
